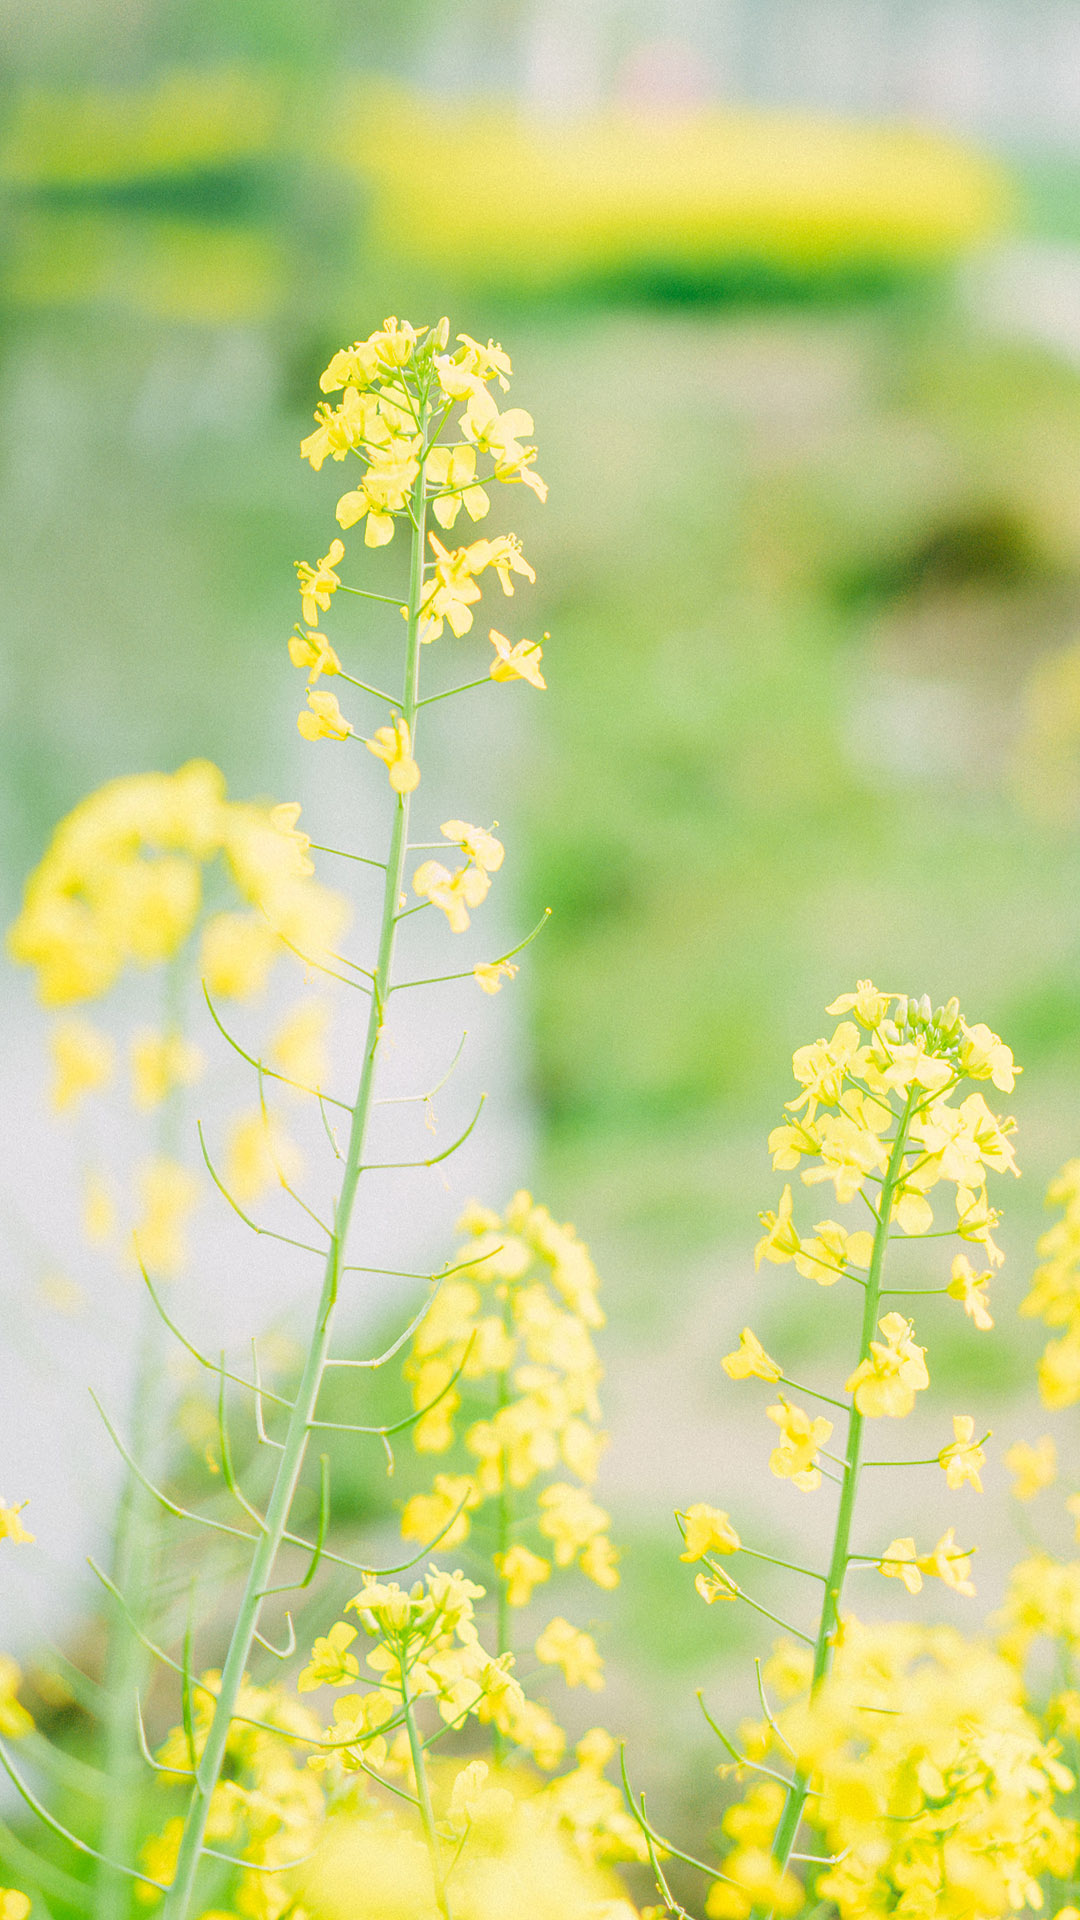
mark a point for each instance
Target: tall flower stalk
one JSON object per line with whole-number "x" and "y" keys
{"x": 400, "y": 390}
{"x": 875, "y": 1119}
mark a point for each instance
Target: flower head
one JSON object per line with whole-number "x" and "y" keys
{"x": 707, "y": 1530}
{"x": 750, "y": 1360}
{"x": 1032, "y": 1467}
{"x": 393, "y": 744}
{"x": 795, "y": 1458}
{"x": 520, "y": 661}
{"x": 886, "y": 1382}
{"x": 319, "y": 582}
{"x": 964, "y": 1456}
{"x": 11, "y": 1527}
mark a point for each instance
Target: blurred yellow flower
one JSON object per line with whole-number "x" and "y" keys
{"x": 1032, "y": 1467}
{"x": 82, "y": 1062}
{"x": 522, "y": 1570}
{"x": 169, "y": 1193}
{"x": 298, "y": 1047}
{"x": 564, "y": 1646}
{"x": 259, "y": 1155}
{"x": 238, "y": 951}
{"x": 11, "y": 1527}
{"x": 161, "y": 1062}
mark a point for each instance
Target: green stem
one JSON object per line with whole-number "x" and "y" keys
{"x": 423, "y": 1793}
{"x": 838, "y": 1564}
{"x": 127, "y": 1663}
{"x": 294, "y": 1445}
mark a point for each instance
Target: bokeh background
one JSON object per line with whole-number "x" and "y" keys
{"x": 792, "y": 289}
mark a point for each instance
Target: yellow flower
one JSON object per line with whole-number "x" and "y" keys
{"x": 298, "y": 1048}
{"x": 788, "y": 1143}
{"x": 159, "y": 1855}
{"x": 283, "y": 819}
{"x": 758, "y": 1882}
{"x": 324, "y": 719}
{"x": 970, "y": 1287}
{"x": 11, "y": 1527}
{"x": 341, "y": 430}
{"x": 497, "y": 435}
{"x": 82, "y": 1061}
{"x": 949, "y": 1563}
{"x": 518, "y": 662}
{"x": 780, "y": 1241}
{"x": 454, "y": 469}
{"x": 707, "y": 1530}
{"x": 452, "y": 591}
{"x": 599, "y": 1562}
{"x": 867, "y": 1004}
{"x": 331, "y": 1665}
{"x": 99, "y": 1211}
{"x": 319, "y": 582}
{"x": 570, "y": 1518}
{"x": 795, "y": 1458}
{"x": 354, "y": 366}
{"x": 384, "y": 492}
{"x": 964, "y": 1456}
{"x": 1033, "y": 1468}
{"x": 393, "y": 744}
{"x": 169, "y": 1193}
{"x": 259, "y": 1155}
{"x": 13, "y": 1904}
{"x": 14, "y": 1719}
{"x": 238, "y": 951}
{"x": 490, "y": 974}
{"x": 479, "y": 846}
{"x": 160, "y": 1062}
{"x": 832, "y": 1251}
{"x": 441, "y": 1516}
{"x": 452, "y": 893}
{"x": 821, "y": 1069}
{"x": 984, "y": 1057}
{"x": 522, "y": 1570}
{"x": 750, "y": 1360}
{"x": 898, "y": 1562}
{"x": 562, "y": 1645}
{"x": 752, "y": 1821}
{"x": 313, "y": 651}
{"x": 885, "y": 1384}
{"x": 715, "y": 1586}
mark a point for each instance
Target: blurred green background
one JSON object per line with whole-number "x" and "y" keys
{"x": 801, "y": 336}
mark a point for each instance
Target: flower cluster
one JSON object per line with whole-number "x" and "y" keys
{"x": 122, "y": 884}
{"x": 515, "y": 1320}
{"x": 1055, "y": 1292}
{"x": 427, "y": 1647}
{"x": 268, "y": 1812}
{"x": 931, "y": 1786}
{"x": 855, "y": 1087}
{"x": 430, "y": 435}
{"x": 875, "y": 1111}
{"x": 876, "y": 1119}
{"x": 517, "y": 1847}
